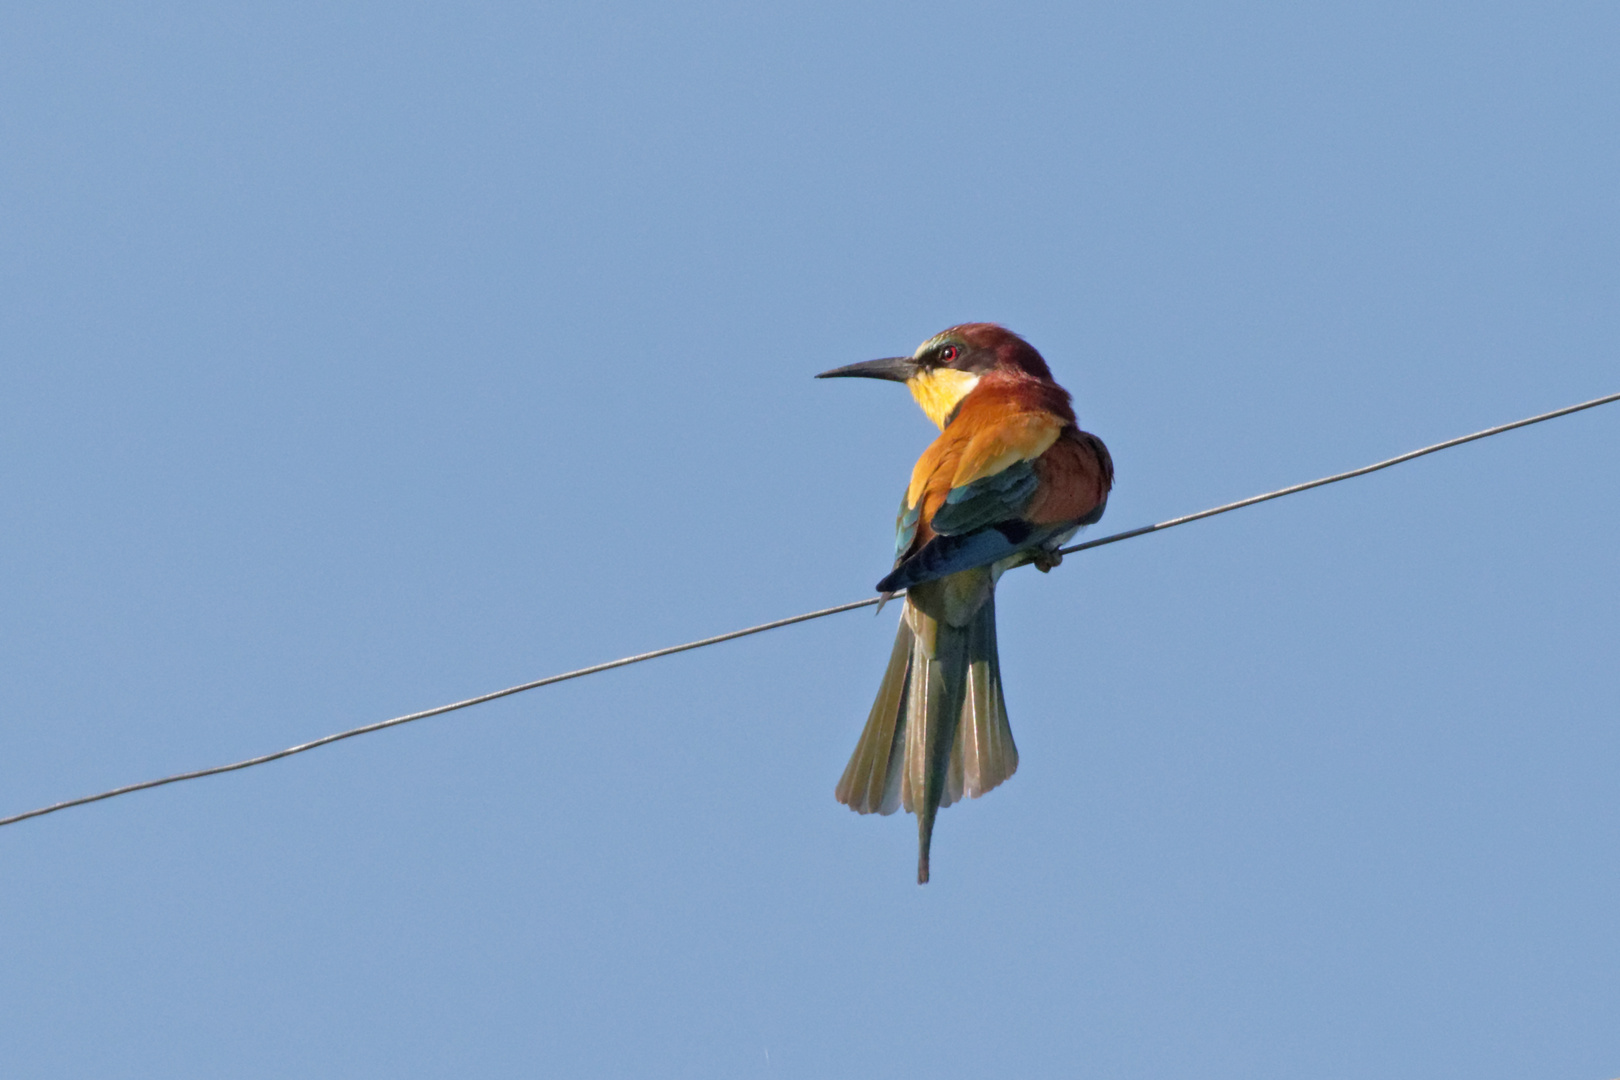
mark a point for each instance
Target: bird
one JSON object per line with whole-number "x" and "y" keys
{"x": 1009, "y": 480}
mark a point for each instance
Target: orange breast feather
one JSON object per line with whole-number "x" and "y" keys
{"x": 994, "y": 428}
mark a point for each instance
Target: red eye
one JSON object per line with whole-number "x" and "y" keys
{"x": 947, "y": 354}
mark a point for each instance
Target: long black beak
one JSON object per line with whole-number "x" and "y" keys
{"x": 893, "y": 368}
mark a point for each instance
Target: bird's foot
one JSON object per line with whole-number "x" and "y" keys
{"x": 1045, "y": 560}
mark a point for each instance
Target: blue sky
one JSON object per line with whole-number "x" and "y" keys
{"x": 358, "y": 358}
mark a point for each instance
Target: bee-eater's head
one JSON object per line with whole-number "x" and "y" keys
{"x": 947, "y": 366}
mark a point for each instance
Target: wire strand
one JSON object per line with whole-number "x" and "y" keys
{"x": 1336, "y": 477}
{"x": 778, "y": 623}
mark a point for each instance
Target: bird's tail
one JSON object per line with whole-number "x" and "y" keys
{"x": 938, "y": 729}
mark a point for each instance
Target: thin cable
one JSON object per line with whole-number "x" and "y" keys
{"x": 425, "y": 713}
{"x": 762, "y": 627}
{"x": 1335, "y": 478}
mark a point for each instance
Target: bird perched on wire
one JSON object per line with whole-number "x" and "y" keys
{"x": 1009, "y": 480}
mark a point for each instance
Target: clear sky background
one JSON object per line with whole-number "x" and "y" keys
{"x": 356, "y": 358}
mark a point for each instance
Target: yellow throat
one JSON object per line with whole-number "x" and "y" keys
{"x": 939, "y": 391}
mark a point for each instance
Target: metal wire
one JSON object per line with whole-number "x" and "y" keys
{"x": 1336, "y": 477}
{"x": 762, "y": 627}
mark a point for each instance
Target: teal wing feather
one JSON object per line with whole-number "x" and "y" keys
{"x": 988, "y": 500}
{"x": 905, "y": 527}
{"x": 978, "y": 524}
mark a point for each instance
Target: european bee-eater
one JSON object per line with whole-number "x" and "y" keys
{"x": 1009, "y": 480}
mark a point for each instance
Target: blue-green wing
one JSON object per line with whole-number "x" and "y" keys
{"x": 905, "y": 527}
{"x": 980, "y": 523}
{"x": 987, "y": 501}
